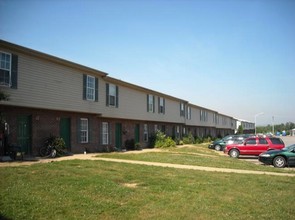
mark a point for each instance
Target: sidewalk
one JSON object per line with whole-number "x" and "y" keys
{"x": 92, "y": 156}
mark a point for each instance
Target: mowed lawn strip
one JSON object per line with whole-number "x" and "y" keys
{"x": 195, "y": 155}
{"x": 80, "y": 189}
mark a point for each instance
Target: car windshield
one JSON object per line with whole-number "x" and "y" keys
{"x": 289, "y": 148}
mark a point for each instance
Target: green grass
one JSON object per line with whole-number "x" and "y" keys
{"x": 198, "y": 155}
{"x": 103, "y": 190}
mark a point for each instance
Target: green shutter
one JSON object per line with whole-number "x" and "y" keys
{"x": 117, "y": 96}
{"x": 154, "y": 104}
{"x": 78, "y": 130}
{"x": 89, "y": 131}
{"x": 147, "y": 102}
{"x": 107, "y": 94}
{"x": 84, "y": 86}
{"x": 14, "y": 67}
{"x": 159, "y": 105}
{"x": 96, "y": 89}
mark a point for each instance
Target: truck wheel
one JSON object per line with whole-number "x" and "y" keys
{"x": 234, "y": 153}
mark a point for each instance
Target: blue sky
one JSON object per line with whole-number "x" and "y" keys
{"x": 235, "y": 57}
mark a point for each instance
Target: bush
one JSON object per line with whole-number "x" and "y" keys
{"x": 188, "y": 139}
{"x": 130, "y": 144}
{"x": 58, "y": 143}
{"x": 162, "y": 141}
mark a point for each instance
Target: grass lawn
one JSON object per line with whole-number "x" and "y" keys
{"x": 79, "y": 189}
{"x": 198, "y": 155}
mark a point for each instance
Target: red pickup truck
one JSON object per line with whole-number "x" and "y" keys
{"x": 254, "y": 146}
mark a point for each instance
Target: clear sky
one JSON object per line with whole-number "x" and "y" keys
{"x": 233, "y": 56}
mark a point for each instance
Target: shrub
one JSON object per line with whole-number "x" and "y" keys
{"x": 130, "y": 144}
{"x": 162, "y": 141}
{"x": 58, "y": 143}
{"x": 188, "y": 139}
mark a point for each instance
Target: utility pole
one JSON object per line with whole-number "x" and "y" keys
{"x": 273, "y": 125}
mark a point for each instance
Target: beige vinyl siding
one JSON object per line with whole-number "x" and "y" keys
{"x": 46, "y": 85}
{"x": 133, "y": 105}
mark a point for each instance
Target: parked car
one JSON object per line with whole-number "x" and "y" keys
{"x": 279, "y": 158}
{"x": 220, "y": 144}
{"x": 254, "y": 146}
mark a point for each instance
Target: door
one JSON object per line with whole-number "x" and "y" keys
{"x": 65, "y": 131}
{"x": 118, "y": 137}
{"x": 136, "y": 133}
{"x": 24, "y": 127}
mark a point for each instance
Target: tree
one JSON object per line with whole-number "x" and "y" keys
{"x": 240, "y": 129}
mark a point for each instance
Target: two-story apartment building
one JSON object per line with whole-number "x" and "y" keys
{"x": 88, "y": 108}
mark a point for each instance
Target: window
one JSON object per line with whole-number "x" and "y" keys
{"x": 145, "y": 133}
{"x": 155, "y": 128}
{"x": 105, "y": 133}
{"x": 161, "y": 105}
{"x": 203, "y": 115}
{"x": 276, "y": 140}
{"x": 150, "y": 103}
{"x": 251, "y": 141}
{"x": 90, "y": 88}
{"x": 112, "y": 94}
{"x": 262, "y": 141}
{"x": 182, "y": 112}
{"x": 5, "y": 69}
{"x": 189, "y": 113}
{"x": 84, "y": 130}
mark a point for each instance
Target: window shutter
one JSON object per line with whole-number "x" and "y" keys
{"x": 163, "y": 106}
{"x": 14, "y": 67}
{"x": 96, "y": 89}
{"x": 159, "y": 105}
{"x": 147, "y": 102}
{"x": 154, "y": 104}
{"x": 84, "y": 86}
{"x": 100, "y": 130}
{"x": 107, "y": 94}
{"x": 89, "y": 131}
{"x": 117, "y": 96}
{"x": 110, "y": 133}
{"x": 78, "y": 130}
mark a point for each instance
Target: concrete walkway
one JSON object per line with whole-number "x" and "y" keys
{"x": 157, "y": 164}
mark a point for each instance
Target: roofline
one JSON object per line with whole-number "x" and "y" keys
{"x": 50, "y": 58}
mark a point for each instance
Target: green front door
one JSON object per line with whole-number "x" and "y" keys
{"x": 118, "y": 136}
{"x": 65, "y": 131}
{"x": 136, "y": 133}
{"x": 24, "y": 127}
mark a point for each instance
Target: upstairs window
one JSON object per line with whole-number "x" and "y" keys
{"x": 161, "y": 104}
{"x": 112, "y": 95}
{"x": 90, "y": 88}
{"x": 189, "y": 113}
{"x": 8, "y": 69}
{"x": 150, "y": 103}
{"x": 90, "y": 95}
{"x": 182, "y": 112}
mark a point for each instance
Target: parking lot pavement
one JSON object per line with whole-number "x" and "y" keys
{"x": 288, "y": 140}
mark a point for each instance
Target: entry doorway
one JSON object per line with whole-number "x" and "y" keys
{"x": 65, "y": 131}
{"x": 24, "y": 131}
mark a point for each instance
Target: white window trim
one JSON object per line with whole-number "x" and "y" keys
{"x": 84, "y": 140}
{"x": 145, "y": 133}
{"x": 5, "y": 69}
{"x": 151, "y": 103}
{"x": 105, "y": 133}
{"x": 89, "y": 90}
{"x": 112, "y": 88}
